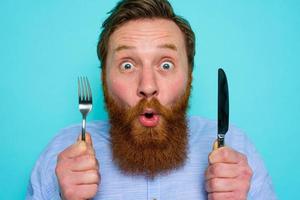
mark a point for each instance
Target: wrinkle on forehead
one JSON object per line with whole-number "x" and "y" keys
{"x": 162, "y": 46}
{"x": 147, "y": 31}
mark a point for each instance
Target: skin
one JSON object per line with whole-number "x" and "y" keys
{"x": 77, "y": 171}
{"x": 146, "y": 59}
{"x": 228, "y": 175}
{"x": 147, "y": 47}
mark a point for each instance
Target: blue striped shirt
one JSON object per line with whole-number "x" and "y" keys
{"x": 187, "y": 182}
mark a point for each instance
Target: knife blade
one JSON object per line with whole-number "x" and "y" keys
{"x": 223, "y": 107}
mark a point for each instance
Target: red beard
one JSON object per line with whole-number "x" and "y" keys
{"x": 149, "y": 151}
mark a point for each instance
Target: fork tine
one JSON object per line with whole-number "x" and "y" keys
{"x": 79, "y": 89}
{"x": 83, "y": 96}
{"x": 85, "y": 88}
{"x": 82, "y": 89}
{"x": 89, "y": 89}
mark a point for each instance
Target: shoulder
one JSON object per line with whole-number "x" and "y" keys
{"x": 202, "y": 129}
{"x": 67, "y": 136}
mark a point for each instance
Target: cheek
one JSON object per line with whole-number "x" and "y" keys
{"x": 122, "y": 91}
{"x": 173, "y": 90}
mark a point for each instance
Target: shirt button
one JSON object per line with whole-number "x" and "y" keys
{"x": 154, "y": 199}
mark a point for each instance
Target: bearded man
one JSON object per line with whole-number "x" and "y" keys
{"x": 149, "y": 149}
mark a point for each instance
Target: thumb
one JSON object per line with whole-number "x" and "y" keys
{"x": 215, "y": 145}
{"x": 89, "y": 143}
{"x": 88, "y": 139}
{"x": 76, "y": 149}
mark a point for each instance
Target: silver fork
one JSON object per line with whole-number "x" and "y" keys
{"x": 85, "y": 101}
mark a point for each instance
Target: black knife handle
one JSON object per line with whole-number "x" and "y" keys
{"x": 221, "y": 140}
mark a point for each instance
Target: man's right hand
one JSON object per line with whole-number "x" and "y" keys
{"x": 77, "y": 171}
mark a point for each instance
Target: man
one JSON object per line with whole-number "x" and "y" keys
{"x": 149, "y": 149}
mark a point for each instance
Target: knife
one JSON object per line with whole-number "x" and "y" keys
{"x": 223, "y": 107}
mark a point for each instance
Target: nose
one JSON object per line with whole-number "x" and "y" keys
{"x": 147, "y": 87}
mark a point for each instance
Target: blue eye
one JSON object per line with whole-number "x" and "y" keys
{"x": 167, "y": 65}
{"x": 126, "y": 66}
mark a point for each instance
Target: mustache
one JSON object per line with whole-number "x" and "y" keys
{"x": 124, "y": 116}
{"x": 153, "y": 104}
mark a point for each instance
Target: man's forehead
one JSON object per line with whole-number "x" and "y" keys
{"x": 169, "y": 46}
{"x": 157, "y": 32}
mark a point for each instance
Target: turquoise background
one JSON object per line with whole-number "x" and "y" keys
{"x": 45, "y": 45}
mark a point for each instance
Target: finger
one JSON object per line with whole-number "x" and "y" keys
{"x": 220, "y": 185}
{"x": 215, "y": 145}
{"x": 91, "y": 150}
{"x": 224, "y": 155}
{"x": 89, "y": 142}
{"x": 84, "y": 162}
{"x": 87, "y": 191}
{"x": 221, "y": 195}
{"x": 222, "y": 170}
{"x": 88, "y": 139}
{"x": 85, "y": 177}
{"x": 77, "y": 149}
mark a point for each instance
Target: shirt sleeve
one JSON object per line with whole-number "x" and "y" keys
{"x": 261, "y": 184}
{"x": 43, "y": 183}
{"x": 34, "y": 185}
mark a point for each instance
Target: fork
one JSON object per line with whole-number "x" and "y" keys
{"x": 85, "y": 101}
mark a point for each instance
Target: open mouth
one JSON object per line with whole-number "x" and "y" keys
{"x": 149, "y": 115}
{"x": 149, "y": 118}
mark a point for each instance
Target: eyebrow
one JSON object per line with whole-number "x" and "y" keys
{"x": 162, "y": 46}
{"x": 168, "y": 46}
{"x": 123, "y": 47}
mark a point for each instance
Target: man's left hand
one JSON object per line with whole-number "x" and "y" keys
{"x": 228, "y": 175}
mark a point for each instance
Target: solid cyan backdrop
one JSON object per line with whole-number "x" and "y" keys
{"x": 45, "y": 45}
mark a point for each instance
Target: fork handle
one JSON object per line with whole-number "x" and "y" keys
{"x": 83, "y": 128}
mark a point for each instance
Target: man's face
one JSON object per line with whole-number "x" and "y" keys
{"x": 146, "y": 88}
{"x": 147, "y": 58}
